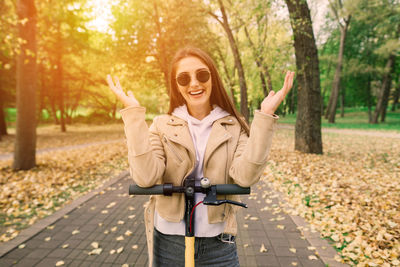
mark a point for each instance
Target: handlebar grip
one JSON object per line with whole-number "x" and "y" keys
{"x": 154, "y": 190}
{"x": 232, "y": 189}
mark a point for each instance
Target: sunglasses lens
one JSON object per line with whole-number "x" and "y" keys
{"x": 203, "y": 76}
{"x": 183, "y": 79}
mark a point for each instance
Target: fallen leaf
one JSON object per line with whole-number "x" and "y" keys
{"x": 132, "y": 216}
{"x": 263, "y": 249}
{"x": 47, "y": 239}
{"x": 65, "y": 245}
{"x": 112, "y": 251}
{"x": 294, "y": 263}
{"x": 112, "y": 204}
{"x": 114, "y": 229}
{"x": 125, "y": 265}
{"x": 312, "y": 257}
{"x": 95, "y": 244}
{"x": 135, "y": 247}
{"x": 280, "y": 226}
{"x": 95, "y": 251}
{"x": 120, "y": 250}
{"x": 293, "y": 250}
{"x": 128, "y": 233}
{"x": 120, "y": 238}
{"x": 76, "y": 231}
{"x": 121, "y": 222}
{"x": 59, "y": 263}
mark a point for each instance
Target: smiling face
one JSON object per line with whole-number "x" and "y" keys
{"x": 196, "y": 93}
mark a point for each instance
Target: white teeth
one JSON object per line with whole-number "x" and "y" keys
{"x": 196, "y": 92}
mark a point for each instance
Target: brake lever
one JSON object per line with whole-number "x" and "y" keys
{"x": 211, "y": 199}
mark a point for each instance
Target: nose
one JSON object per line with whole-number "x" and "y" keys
{"x": 193, "y": 81}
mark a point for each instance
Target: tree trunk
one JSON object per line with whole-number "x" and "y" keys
{"x": 3, "y": 125}
{"x": 244, "y": 109}
{"x": 259, "y": 62}
{"x": 342, "y": 99}
{"x": 228, "y": 76}
{"x": 308, "y": 123}
{"x": 26, "y": 76}
{"x": 161, "y": 50}
{"x": 369, "y": 99}
{"x": 59, "y": 83}
{"x": 387, "y": 92}
{"x": 396, "y": 97}
{"x": 337, "y": 77}
{"x": 385, "y": 89}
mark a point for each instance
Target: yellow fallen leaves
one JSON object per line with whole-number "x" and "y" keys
{"x": 61, "y": 176}
{"x": 350, "y": 194}
{"x": 263, "y": 249}
{"x": 51, "y": 136}
{"x": 59, "y": 263}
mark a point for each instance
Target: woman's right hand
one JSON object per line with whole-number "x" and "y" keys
{"x": 127, "y": 99}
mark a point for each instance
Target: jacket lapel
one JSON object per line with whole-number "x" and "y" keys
{"x": 218, "y": 136}
{"x": 180, "y": 134}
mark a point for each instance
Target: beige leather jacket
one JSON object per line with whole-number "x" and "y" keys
{"x": 165, "y": 154}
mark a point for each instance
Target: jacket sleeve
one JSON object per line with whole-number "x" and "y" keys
{"x": 145, "y": 151}
{"x": 250, "y": 158}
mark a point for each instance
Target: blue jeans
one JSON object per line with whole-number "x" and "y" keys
{"x": 169, "y": 250}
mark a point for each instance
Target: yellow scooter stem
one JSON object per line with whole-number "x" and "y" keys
{"x": 189, "y": 251}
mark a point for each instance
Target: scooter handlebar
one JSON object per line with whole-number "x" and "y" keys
{"x": 221, "y": 189}
{"x": 154, "y": 190}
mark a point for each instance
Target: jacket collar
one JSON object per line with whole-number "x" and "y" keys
{"x": 175, "y": 121}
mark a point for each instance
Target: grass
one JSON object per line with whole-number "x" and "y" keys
{"x": 355, "y": 118}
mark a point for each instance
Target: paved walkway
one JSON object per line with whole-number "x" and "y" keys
{"x": 106, "y": 228}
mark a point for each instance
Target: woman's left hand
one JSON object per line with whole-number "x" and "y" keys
{"x": 273, "y": 100}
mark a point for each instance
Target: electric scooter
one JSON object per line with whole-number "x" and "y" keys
{"x": 189, "y": 188}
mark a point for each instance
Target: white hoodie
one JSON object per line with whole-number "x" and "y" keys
{"x": 200, "y": 131}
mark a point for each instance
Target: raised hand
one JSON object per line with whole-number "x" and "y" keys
{"x": 273, "y": 100}
{"x": 129, "y": 99}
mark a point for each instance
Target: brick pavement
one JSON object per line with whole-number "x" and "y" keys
{"x": 114, "y": 220}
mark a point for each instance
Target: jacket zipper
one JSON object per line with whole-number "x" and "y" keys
{"x": 172, "y": 148}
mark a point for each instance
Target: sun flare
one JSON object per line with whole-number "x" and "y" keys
{"x": 101, "y": 14}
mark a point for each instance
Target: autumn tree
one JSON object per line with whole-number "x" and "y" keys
{"x": 224, "y": 22}
{"x": 308, "y": 122}
{"x": 8, "y": 39}
{"x": 25, "y": 141}
{"x": 62, "y": 51}
{"x": 147, "y": 35}
{"x": 342, "y": 15}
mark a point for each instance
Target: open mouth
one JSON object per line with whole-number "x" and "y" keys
{"x": 196, "y": 93}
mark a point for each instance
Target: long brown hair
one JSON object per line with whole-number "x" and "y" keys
{"x": 218, "y": 92}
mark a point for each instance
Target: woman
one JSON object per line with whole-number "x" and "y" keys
{"x": 201, "y": 136}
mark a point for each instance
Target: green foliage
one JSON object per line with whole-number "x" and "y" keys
{"x": 355, "y": 118}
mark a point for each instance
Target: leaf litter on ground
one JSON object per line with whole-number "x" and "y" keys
{"x": 350, "y": 194}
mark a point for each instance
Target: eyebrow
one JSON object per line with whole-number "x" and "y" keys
{"x": 201, "y": 69}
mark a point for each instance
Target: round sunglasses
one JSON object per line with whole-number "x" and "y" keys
{"x": 202, "y": 76}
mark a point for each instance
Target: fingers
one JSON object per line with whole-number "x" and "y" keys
{"x": 116, "y": 88}
{"x": 117, "y": 83}
{"x": 110, "y": 82}
{"x": 270, "y": 95}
